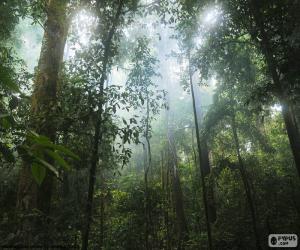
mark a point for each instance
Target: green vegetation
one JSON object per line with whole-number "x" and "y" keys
{"x": 133, "y": 125}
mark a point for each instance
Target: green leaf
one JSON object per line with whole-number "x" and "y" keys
{"x": 45, "y": 141}
{"x": 66, "y": 152}
{"x": 60, "y": 161}
{"x": 39, "y": 172}
{"x": 47, "y": 165}
{"x": 40, "y": 139}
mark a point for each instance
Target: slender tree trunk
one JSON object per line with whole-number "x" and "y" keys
{"x": 162, "y": 172}
{"x": 146, "y": 173}
{"x": 92, "y": 180}
{"x": 98, "y": 133}
{"x": 204, "y": 193}
{"x": 205, "y": 164}
{"x": 177, "y": 194}
{"x": 164, "y": 184}
{"x": 43, "y": 105}
{"x": 193, "y": 148}
{"x": 195, "y": 202}
{"x": 167, "y": 197}
{"x": 287, "y": 106}
{"x": 102, "y": 211}
{"x": 210, "y": 191}
{"x": 146, "y": 200}
{"x": 65, "y": 184}
{"x": 246, "y": 184}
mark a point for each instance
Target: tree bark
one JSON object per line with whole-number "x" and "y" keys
{"x": 43, "y": 106}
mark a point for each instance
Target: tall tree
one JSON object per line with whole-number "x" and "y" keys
{"x": 43, "y": 105}
{"x": 99, "y": 120}
{"x": 141, "y": 83}
{"x": 201, "y": 160}
{"x": 271, "y": 28}
{"x": 284, "y": 86}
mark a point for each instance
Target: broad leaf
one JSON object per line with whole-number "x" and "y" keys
{"x": 39, "y": 172}
{"x": 60, "y": 161}
{"x": 48, "y": 165}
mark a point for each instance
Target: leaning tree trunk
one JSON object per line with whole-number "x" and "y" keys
{"x": 287, "y": 106}
{"x": 98, "y": 133}
{"x": 246, "y": 184}
{"x": 43, "y": 103}
{"x": 200, "y": 160}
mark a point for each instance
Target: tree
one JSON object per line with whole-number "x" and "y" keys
{"x": 43, "y": 104}
{"x": 125, "y": 175}
{"x": 177, "y": 190}
{"x": 243, "y": 23}
{"x": 99, "y": 121}
{"x": 140, "y": 84}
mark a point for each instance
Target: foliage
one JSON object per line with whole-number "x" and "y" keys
{"x": 116, "y": 82}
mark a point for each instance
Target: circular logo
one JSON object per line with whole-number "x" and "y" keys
{"x": 273, "y": 240}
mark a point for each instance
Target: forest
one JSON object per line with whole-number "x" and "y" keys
{"x": 149, "y": 124}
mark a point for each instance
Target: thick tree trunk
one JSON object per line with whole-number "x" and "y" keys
{"x": 200, "y": 161}
{"x": 43, "y": 104}
{"x": 246, "y": 184}
{"x": 98, "y": 133}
